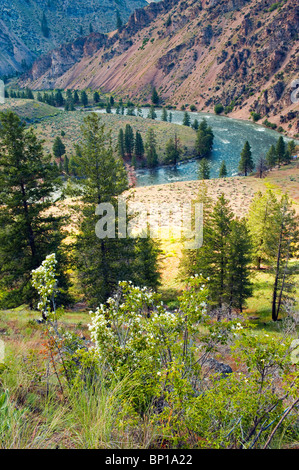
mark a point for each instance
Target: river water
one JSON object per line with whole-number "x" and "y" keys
{"x": 230, "y": 136}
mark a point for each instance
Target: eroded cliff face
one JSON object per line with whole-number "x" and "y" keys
{"x": 241, "y": 53}
{"x": 41, "y": 25}
{"x": 57, "y": 62}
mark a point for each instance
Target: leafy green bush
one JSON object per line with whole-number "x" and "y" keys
{"x": 218, "y": 108}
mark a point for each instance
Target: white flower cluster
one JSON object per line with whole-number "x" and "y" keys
{"x": 44, "y": 280}
{"x": 128, "y": 330}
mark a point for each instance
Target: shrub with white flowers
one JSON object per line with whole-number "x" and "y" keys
{"x": 44, "y": 280}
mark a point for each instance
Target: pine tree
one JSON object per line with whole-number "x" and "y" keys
{"x": 223, "y": 170}
{"x": 129, "y": 140}
{"x": 150, "y": 148}
{"x": 121, "y": 143}
{"x": 195, "y": 124}
{"x": 84, "y": 98}
{"x": 28, "y": 232}
{"x": 186, "y": 119}
{"x": 59, "y": 98}
{"x": 246, "y": 164}
{"x": 155, "y": 97}
{"x": 164, "y": 115}
{"x": 204, "y": 169}
{"x": 173, "y": 150}
{"x": 139, "y": 147}
{"x": 280, "y": 150}
{"x": 224, "y": 258}
{"x": 239, "y": 285}
{"x": 214, "y": 255}
{"x": 271, "y": 157}
{"x": 96, "y": 97}
{"x": 58, "y": 148}
{"x": 204, "y": 140}
{"x": 260, "y": 225}
{"x": 76, "y": 98}
{"x": 152, "y": 113}
{"x": 103, "y": 262}
{"x": 28, "y": 94}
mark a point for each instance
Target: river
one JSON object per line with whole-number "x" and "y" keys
{"x": 230, "y": 136}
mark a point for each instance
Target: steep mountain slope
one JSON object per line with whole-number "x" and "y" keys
{"x": 241, "y": 53}
{"x": 41, "y": 25}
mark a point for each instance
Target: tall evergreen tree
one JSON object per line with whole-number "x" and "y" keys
{"x": 152, "y": 113}
{"x": 239, "y": 285}
{"x": 260, "y": 225}
{"x": 150, "y": 148}
{"x": 186, "y": 119}
{"x": 224, "y": 256}
{"x": 204, "y": 169}
{"x": 28, "y": 233}
{"x": 121, "y": 143}
{"x": 164, "y": 115}
{"x": 139, "y": 146}
{"x": 129, "y": 140}
{"x": 271, "y": 157}
{"x": 173, "y": 150}
{"x": 246, "y": 164}
{"x": 96, "y": 97}
{"x": 59, "y": 98}
{"x": 84, "y": 98}
{"x": 223, "y": 170}
{"x": 58, "y": 148}
{"x": 195, "y": 124}
{"x": 280, "y": 150}
{"x": 102, "y": 262}
{"x": 204, "y": 140}
{"x": 155, "y": 97}
{"x": 76, "y": 98}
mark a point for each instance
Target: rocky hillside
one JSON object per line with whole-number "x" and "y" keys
{"x": 29, "y": 28}
{"x": 240, "y": 53}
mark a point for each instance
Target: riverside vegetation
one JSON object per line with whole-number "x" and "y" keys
{"x": 145, "y": 370}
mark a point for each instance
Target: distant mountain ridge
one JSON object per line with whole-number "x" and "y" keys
{"x": 241, "y": 53}
{"x": 29, "y": 28}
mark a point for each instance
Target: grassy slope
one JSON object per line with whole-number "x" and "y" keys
{"x": 29, "y": 110}
{"x": 49, "y": 121}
